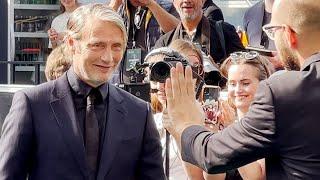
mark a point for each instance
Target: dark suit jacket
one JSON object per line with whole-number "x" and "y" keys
{"x": 282, "y": 125}
{"x": 41, "y": 138}
{"x": 253, "y": 22}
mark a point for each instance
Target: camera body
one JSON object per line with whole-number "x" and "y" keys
{"x": 160, "y": 71}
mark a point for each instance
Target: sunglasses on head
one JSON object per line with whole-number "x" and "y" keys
{"x": 243, "y": 55}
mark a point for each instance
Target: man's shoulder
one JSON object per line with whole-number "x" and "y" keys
{"x": 38, "y": 89}
{"x": 251, "y": 12}
{"x": 295, "y": 81}
{"x": 165, "y": 39}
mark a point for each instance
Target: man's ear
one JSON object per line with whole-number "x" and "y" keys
{"x": 291, "y": 37}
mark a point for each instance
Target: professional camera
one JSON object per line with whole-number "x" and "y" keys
{"x": 160, "y": 71}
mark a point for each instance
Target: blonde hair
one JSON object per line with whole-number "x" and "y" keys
{"x": 58, "y": 62}
{"x": 81, "y": 16}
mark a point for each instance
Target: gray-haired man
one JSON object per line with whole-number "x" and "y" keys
{"x": 79, "y": 126}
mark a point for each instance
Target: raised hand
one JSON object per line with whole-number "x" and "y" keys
{"x": 182, "y": 106}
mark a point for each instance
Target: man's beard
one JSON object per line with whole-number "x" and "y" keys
{"x": 287, "y": 56}
{"x": 188, "y": 17}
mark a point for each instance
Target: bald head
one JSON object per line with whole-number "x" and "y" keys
{"x": 302, "y": 15}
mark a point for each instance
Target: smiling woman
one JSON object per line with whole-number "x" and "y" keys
{"x": 244, "y": 71}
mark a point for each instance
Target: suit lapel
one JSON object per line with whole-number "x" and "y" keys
{"x": 63, "y": 108}
{"x": 115, "y": 131}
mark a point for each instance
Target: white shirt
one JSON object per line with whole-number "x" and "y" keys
{"x": 59, "y": 24}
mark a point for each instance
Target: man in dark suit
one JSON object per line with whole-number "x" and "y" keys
{"x": 254, "y": 18}
{"x": 79, "y": 126}
{"x": 282, "y": 122}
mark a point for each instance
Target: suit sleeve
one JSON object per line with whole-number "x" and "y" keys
{"x": 151, "y": 162}
{"x": 17, "y": 140}
{"x": 241, "y": 143}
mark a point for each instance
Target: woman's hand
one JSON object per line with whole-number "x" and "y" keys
{"x": 53, "y": 36}
{"x": 227, "y": 114}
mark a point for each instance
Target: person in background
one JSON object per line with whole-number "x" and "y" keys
{"x": 177, "y": 49}
{"x": 210, "y": 10}
{"x": 58, "y": 62}
{"x": 281, "y": 123}
{"x": 193, "y": 54}
{"x": 145, "y": 21}
{"x": 254, "y": 18}
{"x": 79, "y": 126}
{"x": 215, "y": 39}
{"x": 59, "y": 24}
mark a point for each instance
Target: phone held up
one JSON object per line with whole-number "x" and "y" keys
{"x": 210, "y": 104}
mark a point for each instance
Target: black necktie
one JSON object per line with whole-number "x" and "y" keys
{"x": 92, "y": 134}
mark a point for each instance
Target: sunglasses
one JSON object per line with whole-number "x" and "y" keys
{"x": 243, "y": 55}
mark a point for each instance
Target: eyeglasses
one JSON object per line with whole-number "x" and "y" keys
{"x": 270, "y": 30}
{"x": 243, "y": 55}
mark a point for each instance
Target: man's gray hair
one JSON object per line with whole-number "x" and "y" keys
{"x": 81, "y": 15}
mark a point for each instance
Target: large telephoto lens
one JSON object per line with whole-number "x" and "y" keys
{"x": 160, "y": 71}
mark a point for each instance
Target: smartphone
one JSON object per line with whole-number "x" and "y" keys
{"x": 210, "y": 93}
{"x": 210, "y": 104}
{"x": 261, "y": 51}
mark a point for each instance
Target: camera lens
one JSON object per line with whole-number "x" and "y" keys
{"x": 160, "y": 71}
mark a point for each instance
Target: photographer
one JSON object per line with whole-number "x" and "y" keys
{"x": 217, "y": 39}
{"x": 145, "y": 20}
{"x": 178, "y": 50}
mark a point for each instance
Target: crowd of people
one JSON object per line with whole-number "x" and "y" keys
{"x": 80, "y": 125}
